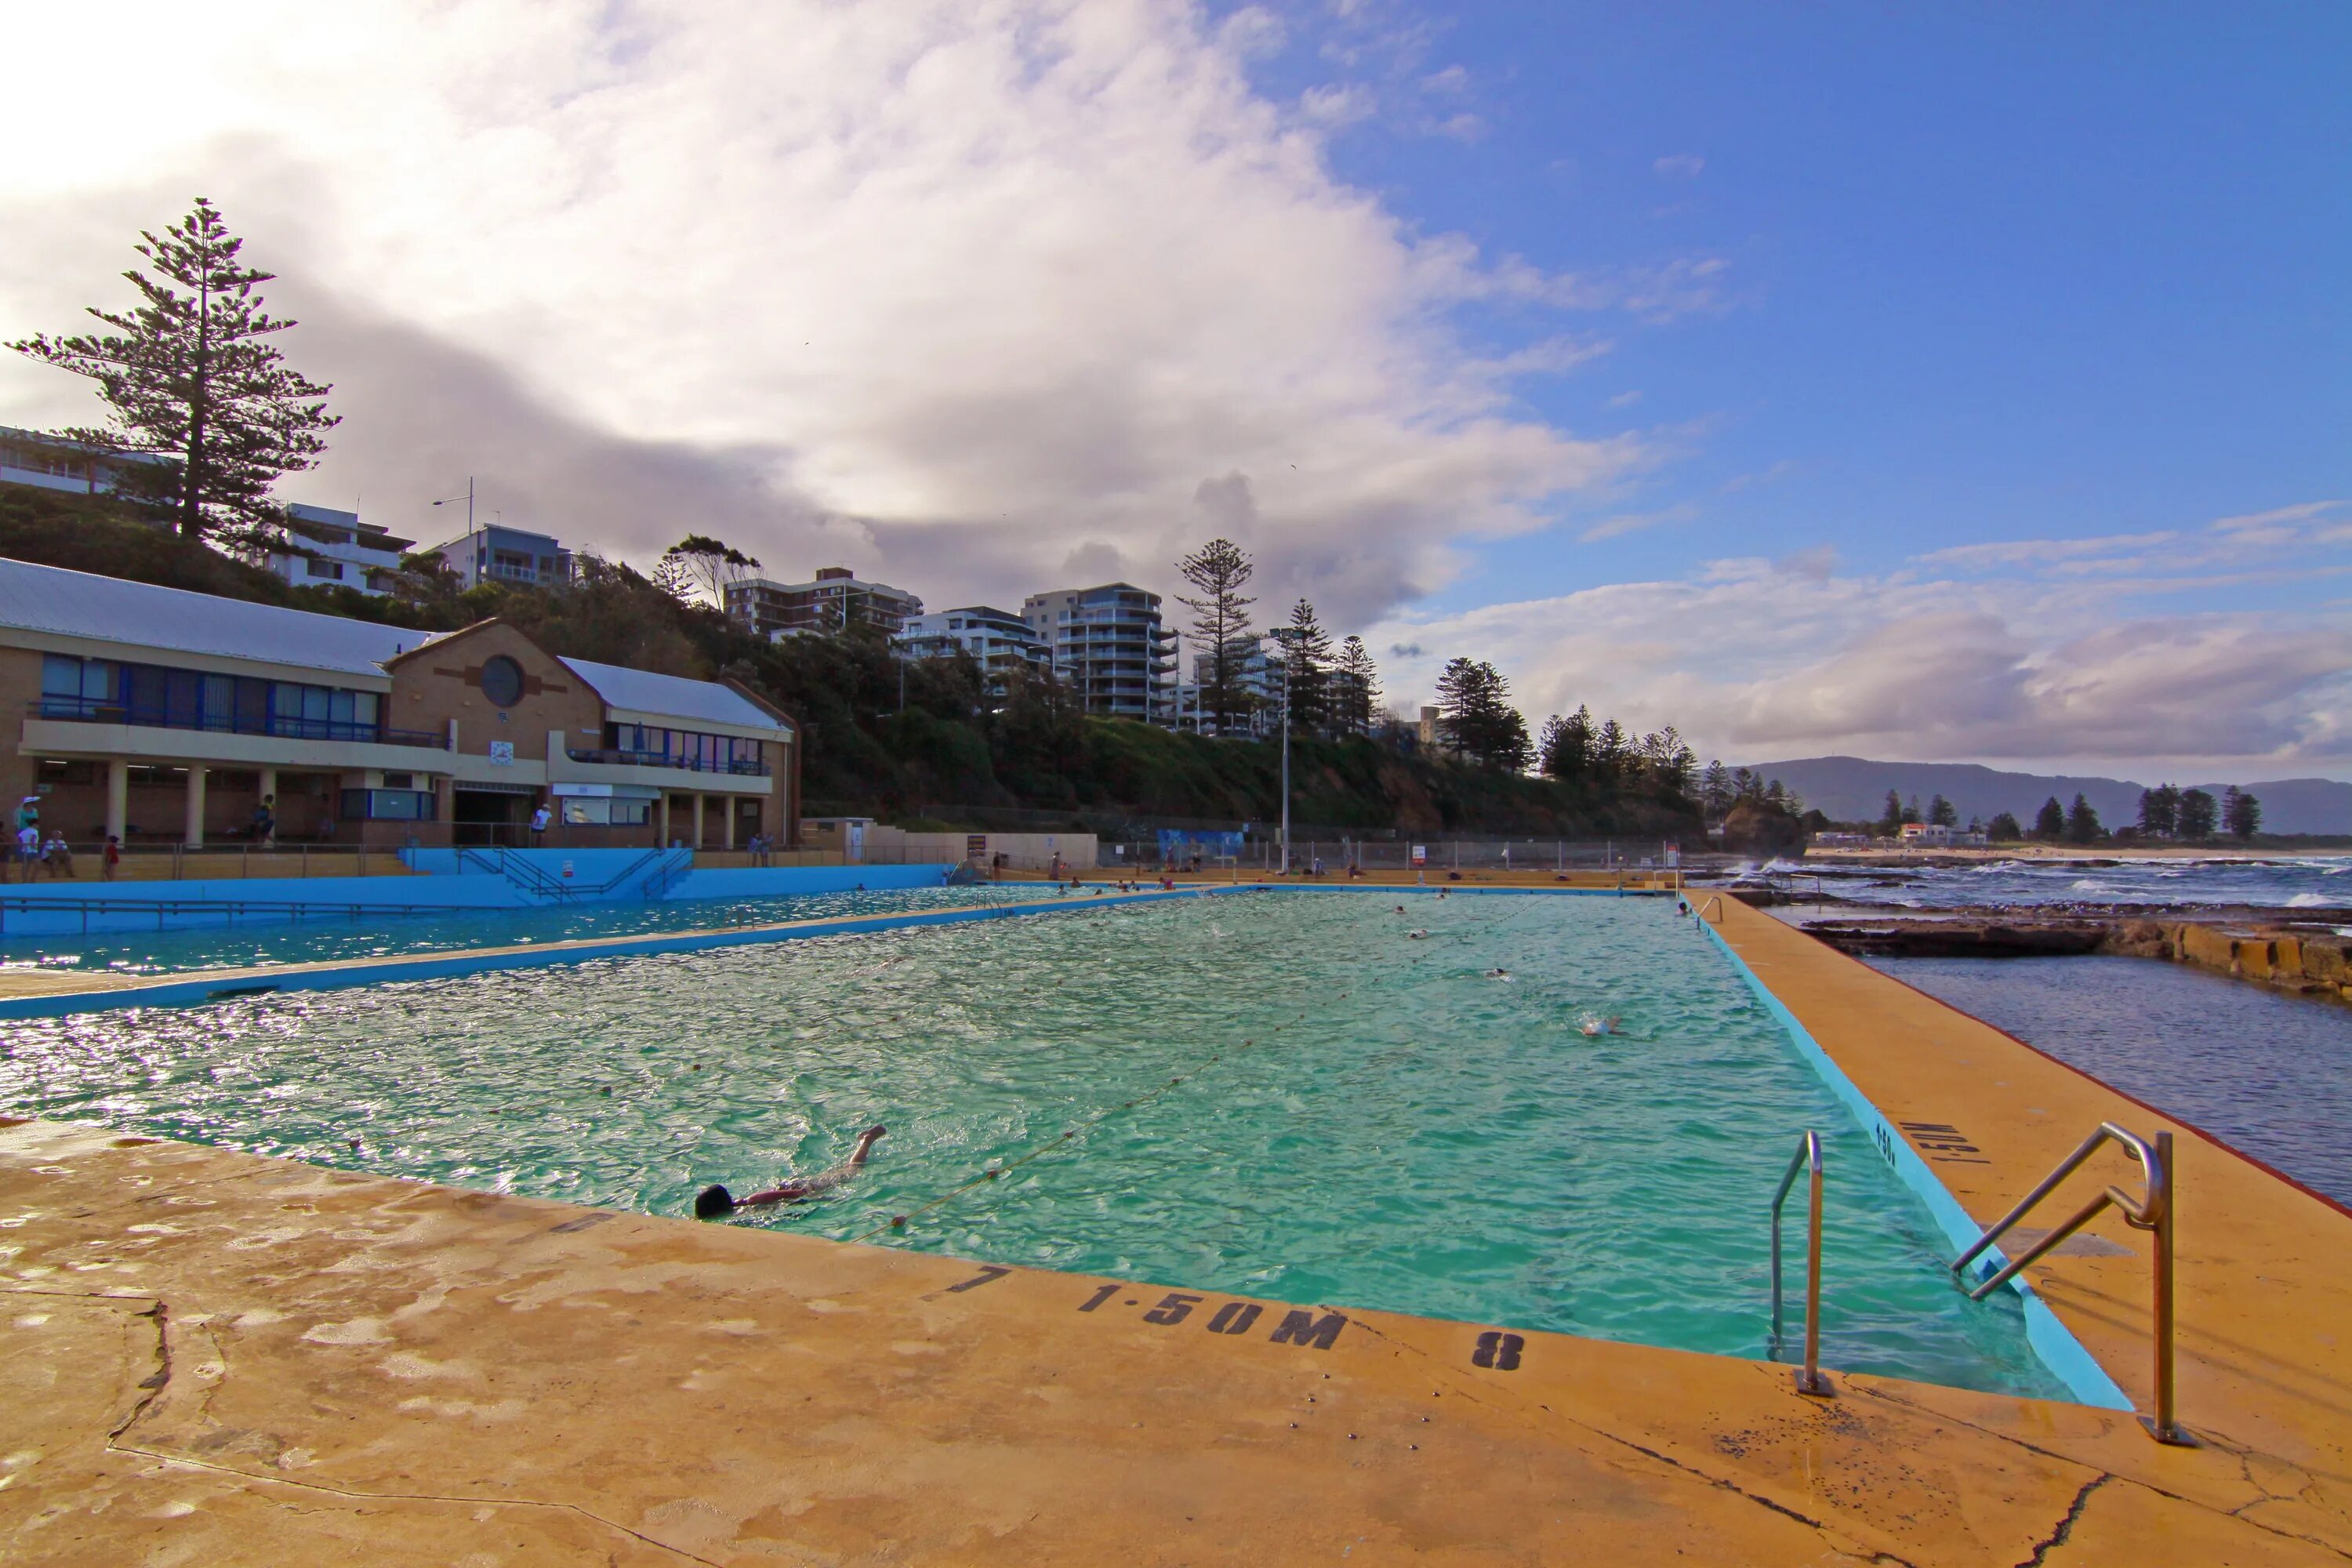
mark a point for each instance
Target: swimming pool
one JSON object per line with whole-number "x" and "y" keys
{"x": 327, "y": 938}
{"x": 1277, "y": 1094}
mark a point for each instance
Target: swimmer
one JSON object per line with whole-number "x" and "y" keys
{"x": 1416, "y": 935}
{"x": 1498, "y": 973}
{"x": 1593, "y": 1028}
{"x": 1399, "y": 908}
{"x": 717, "y": 1202}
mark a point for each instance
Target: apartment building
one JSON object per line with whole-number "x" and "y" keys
{"x": 166, "y": 716}
{"x": 493, "y": 552}
{"x": 1108, "y": 646}
{"x": 999, "y": 641}
{"x": 335, "y": 548}
{"x": 836, "y": 598}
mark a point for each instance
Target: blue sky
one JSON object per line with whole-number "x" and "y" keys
{"x": 1943, "y": 384}
{"x": 1991, "y": 273}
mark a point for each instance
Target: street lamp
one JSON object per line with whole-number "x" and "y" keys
{"x": 468, "y": 499}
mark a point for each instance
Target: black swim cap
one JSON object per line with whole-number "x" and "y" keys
{"x": 712, "y": 1202}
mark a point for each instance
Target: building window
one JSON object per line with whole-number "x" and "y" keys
{"x": 502, "y": 681}
{"x": 331, "y": 570}
{"x": 388, "y": 805}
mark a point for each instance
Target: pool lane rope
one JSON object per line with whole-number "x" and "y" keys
{"x": 900, "y": 1222}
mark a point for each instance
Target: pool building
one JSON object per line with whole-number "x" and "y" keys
{"x": 163, "y": 716}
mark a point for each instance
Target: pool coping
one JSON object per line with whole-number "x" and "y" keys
{"x": 1158, "y": 1440}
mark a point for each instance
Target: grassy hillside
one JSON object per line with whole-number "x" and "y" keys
{"x": 894, "y": 741}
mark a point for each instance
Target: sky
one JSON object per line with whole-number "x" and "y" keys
{"x": 1938, "y": 384}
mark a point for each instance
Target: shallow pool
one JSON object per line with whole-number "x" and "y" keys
{"x": 325, "y": 938}
{"x": 1279, "y": 1094}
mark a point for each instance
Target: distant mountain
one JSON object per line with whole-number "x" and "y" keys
{"x": 1853, "y": 789}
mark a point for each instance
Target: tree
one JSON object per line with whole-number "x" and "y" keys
{"x": 1715, "y": 790}
{"x": 673, "y": 577}
{"x": 2159, "y": 811}
{"x": 710, "y": 564}
{"x": 2082, "y": 823}
{"x": 1476, "y": 714}
{"x": 1221, "y": 622}
{"x": 193, "y": 382}
{"x": 1911, "y": 810}
{"x": 1306, "y": 669}
{"x": 1890, "y": 816}
{"x": 2199, "y": 815}
{"x": 2242, "y": 813}
{"x": 2050, "y": 822}
{"x": 1355, "y": 688}
{"x": 2003, "y": 828}
{"x": 1943, "y": 813}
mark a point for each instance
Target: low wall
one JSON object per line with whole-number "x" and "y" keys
{"x": 783, "y": 881}
{"x": 2314, "y": 965}
{"x": 78, "y": 907}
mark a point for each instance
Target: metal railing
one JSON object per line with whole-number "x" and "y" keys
{"x": 615, "y": 756}
{"x": 522, "y": 873}
{"x": 675, "y": 864}
{"x": 1715, "y": 904}
{"x": 1808, "y": 1157}
{"x": 2151, "y": 1212}
{"x": 268, "y": 909}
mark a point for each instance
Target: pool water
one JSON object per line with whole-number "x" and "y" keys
{"x": 1283, "y": 1094}
{"x": 327, "y": 938}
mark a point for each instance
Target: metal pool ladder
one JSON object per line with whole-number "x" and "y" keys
{"x": 2151, "y": 1210}
{"x": 1809, "y": 1376}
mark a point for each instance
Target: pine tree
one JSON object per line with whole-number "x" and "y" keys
{"x": 1475, "y": 711}
{"x": 1715, "y": 790}
{"x": 1306, "y": 669}
{"x": 1911, "y": 809}
{"x": 1890, "y": 816}
{"x": 1355, "y": 688}
{"x": 191, "y": 379}
{"x": 2082, "y": 823}
{"x": 2242, "y": 813}
{"x": 2199, "y": 816}
{"x": 1221, "y": 622}
{"x": 1609, "y": 751}
{"x": 2003, "y": 828}
{"x": 2050, "y": 822}
{"x": 1943, "y": 813}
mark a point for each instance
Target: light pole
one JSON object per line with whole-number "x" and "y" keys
{"x": 470, "y": 548}
{"x": 1286, "y": 760}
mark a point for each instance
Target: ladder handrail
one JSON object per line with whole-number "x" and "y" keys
{"x": 2151, "y": 1212}
{"x": 1715, "y": 904}
{"x": 1807, "y": 1157}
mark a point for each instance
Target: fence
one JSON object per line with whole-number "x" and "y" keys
{"x": 1336, "y": 854}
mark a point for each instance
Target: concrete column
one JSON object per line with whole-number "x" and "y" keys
{"x": 118, "y": 797}
{"x": 728, "y": 808}
{"x": 697, "y": 839}
{"x": 664, "y": 819}
{"x": 192, "y": 835}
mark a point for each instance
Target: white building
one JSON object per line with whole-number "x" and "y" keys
{"x": 835, "y": 599}
{"x": 1107, "y": 644}
{"x": 497, "y": 554}
{"x": 1935, "y": 836}
{"x": 1258, "y": 677}
{"x": 998, "y": 640}
{"x": 53, "y": 463}
{"x": 333, "y": 547}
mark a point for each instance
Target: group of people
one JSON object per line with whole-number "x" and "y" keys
{"x": 34, "y": 851}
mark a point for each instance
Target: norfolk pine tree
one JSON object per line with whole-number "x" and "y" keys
{"x": 1306, "y": 670}
{"x": 2050, "y": 822}
{"x": 1216, "y": 572}
{"x": 191, "y": 377}
{"x": 1355, "y": 688}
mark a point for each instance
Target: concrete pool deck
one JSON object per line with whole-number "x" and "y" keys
{"x": 212, "y": 1357}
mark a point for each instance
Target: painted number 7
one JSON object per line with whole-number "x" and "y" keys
{"x": 1175, "y": 1308}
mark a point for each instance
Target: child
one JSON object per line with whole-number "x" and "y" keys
{"x": 111, "y": 858}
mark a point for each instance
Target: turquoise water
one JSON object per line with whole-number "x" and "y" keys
{"x": 1277, "y": 1094}
{"x": 378, "y": 936}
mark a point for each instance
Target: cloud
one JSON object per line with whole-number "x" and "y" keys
{"x": 1752, "y": 656}
{"x": 1631, "y": 522}
{"x": 1626, "y": 399}
{"x": 1337, "y": 104}
{"x": 1680, "y": 165}
{"x": 950, "y": 286}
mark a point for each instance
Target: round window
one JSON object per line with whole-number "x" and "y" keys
{"x": 502, "y": 681}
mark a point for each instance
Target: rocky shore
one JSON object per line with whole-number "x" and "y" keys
{"x": 2305, "y": 953}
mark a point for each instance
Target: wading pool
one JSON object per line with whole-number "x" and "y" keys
{"x": 1279, "y": 1094}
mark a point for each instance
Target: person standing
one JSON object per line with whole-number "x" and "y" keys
{"x": 110, "y": 857}
{"x": 538, "y": 821}
{"x": 28, "y": 847}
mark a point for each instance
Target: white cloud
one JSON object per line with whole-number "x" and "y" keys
{"x": 1337, "y": 104}
{"x": 1754, "y": 658}
{"x": 945, "y": 287}
{"x": 1680, "y": 165}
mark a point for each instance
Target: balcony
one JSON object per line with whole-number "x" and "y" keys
{"x": 607, "y": 756}
{"x": 100, "y": 710}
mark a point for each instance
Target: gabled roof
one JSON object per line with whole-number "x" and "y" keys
{"x": 143, "y": 616}
{"x": 672, "y": 696}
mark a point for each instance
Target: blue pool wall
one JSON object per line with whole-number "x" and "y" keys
{"x": 2060, "y": 1351}
{"x": 31, "y": 911}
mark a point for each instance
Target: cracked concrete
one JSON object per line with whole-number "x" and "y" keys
{"x": 412, "y": 1374}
